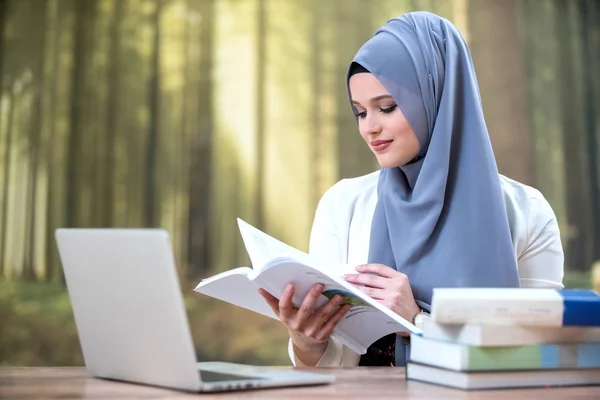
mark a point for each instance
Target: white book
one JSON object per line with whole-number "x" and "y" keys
{"x": 508, "y": 335}
{"x": 516, "y": 306}
{"x": 276, "y": 264}
{"x": 502, "y": 379}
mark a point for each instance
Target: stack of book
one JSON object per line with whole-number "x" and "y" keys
{"x": 507, "y": 338}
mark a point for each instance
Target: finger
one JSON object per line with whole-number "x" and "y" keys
{"x": 272, "y": 301}
{"x": 286, "y": 308}
{"x": 328, "y": 328}
{"x": 374, "y": 293}
{"x": 305, "y": 311}
{"x": 367, "y": 280}
{"x": 379, "y": 269}
{"x": 324, "y": 313}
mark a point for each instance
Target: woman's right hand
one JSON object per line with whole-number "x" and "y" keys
{"x": 309, "y": 328}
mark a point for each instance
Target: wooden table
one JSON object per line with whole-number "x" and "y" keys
{"x": 357, "y": 383}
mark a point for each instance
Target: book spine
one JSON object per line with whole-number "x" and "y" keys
{"x": 580, "y": 310}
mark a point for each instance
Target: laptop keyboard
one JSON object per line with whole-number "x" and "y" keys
{"x": 212, "y": 376}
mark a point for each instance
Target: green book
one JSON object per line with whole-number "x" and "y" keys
{"x": 462, "y": 357}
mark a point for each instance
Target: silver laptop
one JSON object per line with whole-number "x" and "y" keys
{"x": 131, "y": 320}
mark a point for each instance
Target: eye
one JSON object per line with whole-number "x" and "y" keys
{"x": 388, "y": 110}
{"x": 361, "y": 115}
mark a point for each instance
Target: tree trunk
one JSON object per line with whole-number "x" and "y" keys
{"x": 317, "y": 88}
{"x": 151, "y": 194}
{"x": 80, "y": 62}
{"x": 6, "y": 178}
{"x": 589, "y": 13}
{"x": 200, "y": 158}
{"x": 112, "y": 107}
{"x": 181, "y": 156}
{"x": 4, "y": 197}
{"x": 53, "y": 270}
{"x": 541, "y": 53}
{"x": 502, "y": 82}
{"x": 39, "y": 53}
{"x": 261, "y": 59}
{"x": 577, "y": 184}
{"x": 3, "y": 16}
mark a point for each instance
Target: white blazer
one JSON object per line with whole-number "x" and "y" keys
{"x": 342, "y": 227}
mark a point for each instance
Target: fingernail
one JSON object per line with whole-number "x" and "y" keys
{"x": 289, "y": 287}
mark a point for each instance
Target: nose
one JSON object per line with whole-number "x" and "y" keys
{"x": 370, "y": 125}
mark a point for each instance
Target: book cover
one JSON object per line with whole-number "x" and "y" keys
{"x": 462, "y": 357}
{"x": 516, "y": 306}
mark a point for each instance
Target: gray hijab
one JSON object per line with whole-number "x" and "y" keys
{"x": 440, "y": 219}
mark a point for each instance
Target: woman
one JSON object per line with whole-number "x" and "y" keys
{"x": 437, "y": 214}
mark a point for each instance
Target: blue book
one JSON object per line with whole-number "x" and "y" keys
{"x": 581, "y": 307}
{"x": 516, "y": 306}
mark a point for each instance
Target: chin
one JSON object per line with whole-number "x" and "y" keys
{"x": 388, "y": 163}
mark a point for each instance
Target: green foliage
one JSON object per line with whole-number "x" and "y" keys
{"x": 577, "y": 280}
{"x": 38, "y": 328}
{"x": 37, "y": 325}
{"x": 225, "y": 332}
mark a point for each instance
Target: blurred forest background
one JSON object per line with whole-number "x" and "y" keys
{"x": 185, "y": 114}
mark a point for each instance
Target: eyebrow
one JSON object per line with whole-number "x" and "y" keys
{"x": 376, "y": 98}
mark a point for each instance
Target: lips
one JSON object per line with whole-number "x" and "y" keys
{"x": 380, "y": 145}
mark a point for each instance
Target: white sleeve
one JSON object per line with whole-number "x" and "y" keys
{"x": 542, "y": 262}
{"x": 325, "y": 245}
{"x": 333, "y": 356}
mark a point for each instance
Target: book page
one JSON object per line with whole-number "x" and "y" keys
{"x": 262, "y": 248}
{"x": 235, "y": 288}
{"x": 365, "y": 322}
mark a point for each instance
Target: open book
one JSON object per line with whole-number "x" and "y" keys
{"x": 275, "y": 265}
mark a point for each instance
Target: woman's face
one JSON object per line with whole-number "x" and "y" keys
{"x": 381, "y": 123}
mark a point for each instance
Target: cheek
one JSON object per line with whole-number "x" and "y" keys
{"x": 404, "y": 132}
{"x": 401, "y": 128}
{"x": 409, "y": 143}
{"x": 408, "y": 146}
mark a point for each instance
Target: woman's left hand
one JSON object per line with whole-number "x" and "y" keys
{"x": 390, "y": 287}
